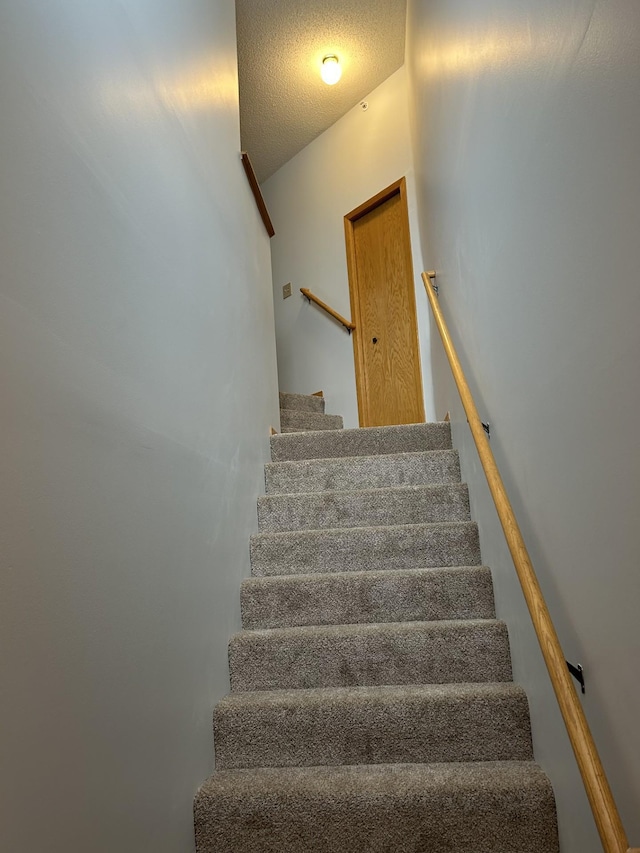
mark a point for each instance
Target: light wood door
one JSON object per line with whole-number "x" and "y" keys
{"x": 383, "y": 307}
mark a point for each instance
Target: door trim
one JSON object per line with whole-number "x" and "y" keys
{"x": 398, "y": 187}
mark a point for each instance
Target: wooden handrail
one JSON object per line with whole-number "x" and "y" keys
{"x": 349, "y": 326}
{"x": 605, "y": 812}
{"x": 257, "y": 193}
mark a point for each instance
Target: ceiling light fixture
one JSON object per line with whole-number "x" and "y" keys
{"x": 331, "y": 71}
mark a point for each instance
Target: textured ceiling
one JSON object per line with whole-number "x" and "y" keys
{"x": 284, "y": 104}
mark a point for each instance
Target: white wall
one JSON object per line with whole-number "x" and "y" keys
{"x": 308, "y": 198}
{"x": 138, "y": 377}
{"x": 527, "y": 132}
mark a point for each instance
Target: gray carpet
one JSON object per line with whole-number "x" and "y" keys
{"x": 361, "y": 442}
{"x": 294, "y": 421}
{"x": 481, "y": 807}
{"x": 372, "y": 706}
{"x": 343, "y": 598}
{"x": 362, "y": 472}
{"x": 417, "y": 723}
{"x": 399, "y": 546}
{"x": 375, "y": 653}
{"x": 364, "y": 508}
{"x": 302, "y": 402}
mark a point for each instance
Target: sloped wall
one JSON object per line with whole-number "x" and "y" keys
{"x": 308, "y": 197}
{"x": 138, "y": 377}
{"x": 526, "y": 135}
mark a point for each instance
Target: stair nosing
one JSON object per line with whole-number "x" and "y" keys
{"x": 345, "y": 459}
{"x": 371, "y": 627}
{"x": 376, "y": 769}
{"x": 264, "y": 696}
{"x": 369, "y": 573}
{"x": 411, "y": 487}
{"x": 355, "y": 430}
{"x": 377, "y": 528}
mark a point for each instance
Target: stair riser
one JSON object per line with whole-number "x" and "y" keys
{"x": 415, "y": 505}
{"x": 362, "y": 472}
{"x": 483, "y": 808}
{"x": 482, "y": 724}
{"x": 364, "y": 597}
{"x": 362, "y": 549}
{"x": 412, "y": 653}
{"x": 302, "y": 403}
{"x": 293, "y": 421}
{"x": 362, "y": 442}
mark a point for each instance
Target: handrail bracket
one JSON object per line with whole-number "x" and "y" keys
{"x": 486, "y": 426}
{"x": 578, "y": 673}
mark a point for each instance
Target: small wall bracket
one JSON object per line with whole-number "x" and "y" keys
{"x": 431, "y": 275}
{"x": 578, "y": 673}
{"x": 486, "y": 427}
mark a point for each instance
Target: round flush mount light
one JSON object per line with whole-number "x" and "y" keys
{"x": 331, "y": 71}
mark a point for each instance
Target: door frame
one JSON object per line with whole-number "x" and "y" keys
{"x": 398, "y": 187}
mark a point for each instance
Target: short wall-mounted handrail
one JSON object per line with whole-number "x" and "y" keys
{"x": 603, "y": 806}
{"x": 257, "y": 193}
{"x": 349, "y": 326}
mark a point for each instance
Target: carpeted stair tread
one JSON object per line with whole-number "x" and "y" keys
{"x": 302, "y": 402}
{"x": 361, "y": 442}
{"x": 364, "y": 508}
{"x": 373, "y": 725}
{"x": 292, "y": 420}
{"x": 363, "y": 472}
{"x": 370, "y": 654}
{"x": 344, "y": 598}
{"x": 400, "y": 546}
{"x": 492, "y": 807}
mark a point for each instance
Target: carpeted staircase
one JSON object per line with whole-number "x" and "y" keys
{"x": 372, "y": 707}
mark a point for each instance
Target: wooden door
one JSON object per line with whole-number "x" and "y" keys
{"x": 383, "y": 307}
